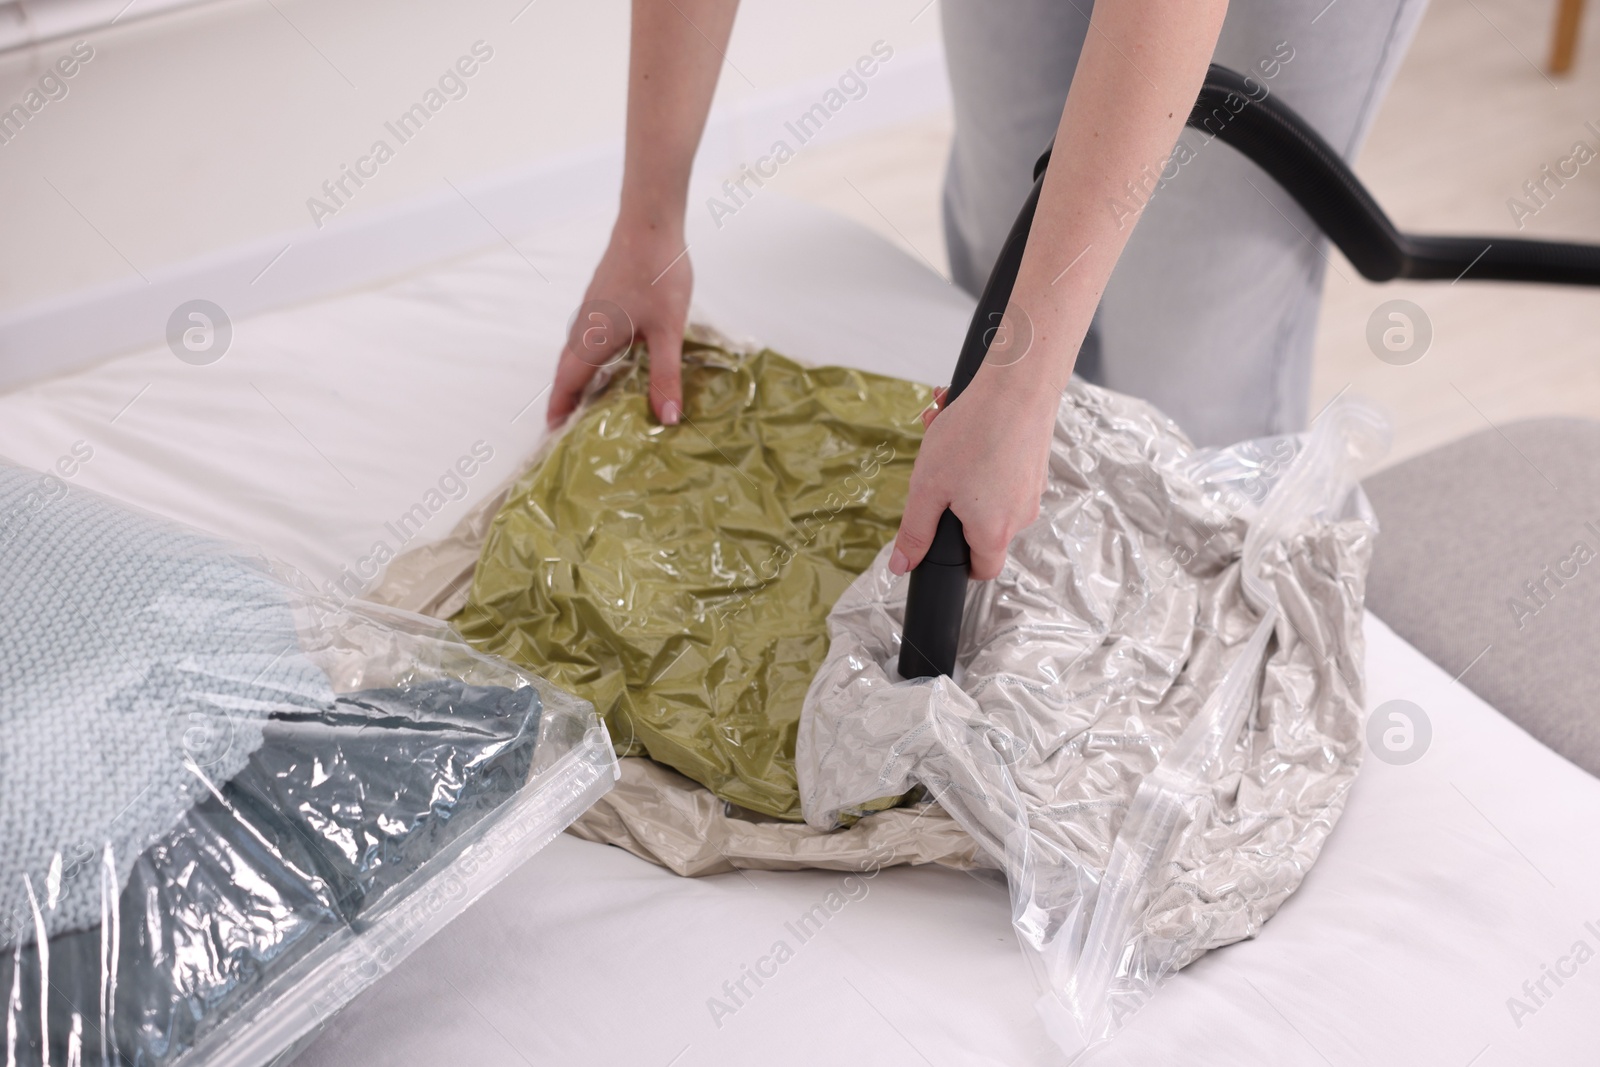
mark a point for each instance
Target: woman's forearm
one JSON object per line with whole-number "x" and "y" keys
{"x": 1141, "y": 67}
{"x": 675, "y": 54}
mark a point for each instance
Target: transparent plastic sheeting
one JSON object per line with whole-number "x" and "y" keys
{"x": 1156, "y": 713}
{"x": 230, "y": 804}
{"x": 681, "y": 576}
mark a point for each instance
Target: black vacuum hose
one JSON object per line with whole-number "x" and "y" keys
{"x": 1269, "y": 133}
{"x": 938, "y": 589}
{"x": 1239, "y": 112}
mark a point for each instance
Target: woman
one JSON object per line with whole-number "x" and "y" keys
{"x": 1212, "y": 313}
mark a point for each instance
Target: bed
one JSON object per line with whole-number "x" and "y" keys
{"x": 1453, "y": 889}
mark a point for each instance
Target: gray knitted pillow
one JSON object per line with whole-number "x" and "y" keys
{"x": 137, "y": 661}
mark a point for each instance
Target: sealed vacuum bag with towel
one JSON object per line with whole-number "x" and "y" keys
{"x": 776, "y": 468}
{"x": 1156, "y": 713}
{"x": 230, "y": 804}
{"x": 680, "y": 576}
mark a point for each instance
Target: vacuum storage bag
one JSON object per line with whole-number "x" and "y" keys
{"x": 680, "y": 577}
{"x": 1156, "y": 713}
{"x": 229, "y": 803}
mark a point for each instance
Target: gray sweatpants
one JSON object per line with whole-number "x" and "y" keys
{"x": 1211, "y": 312}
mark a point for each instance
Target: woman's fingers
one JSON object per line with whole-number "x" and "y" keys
{"x": 666, "y": 374}
{"x": 988, "y": 549}
{"x": 580, "y": 360}
{"x": 597, "y": 337}
{"x": 572, "y": 374}
{"x": 917, "y": 526}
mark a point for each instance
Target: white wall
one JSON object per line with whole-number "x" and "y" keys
{"x": 207, "y": 128}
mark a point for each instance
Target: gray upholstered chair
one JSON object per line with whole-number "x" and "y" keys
{"x": 1488, "y": 561}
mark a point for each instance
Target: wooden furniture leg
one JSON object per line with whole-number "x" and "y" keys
{"x": 1569, "y": 13}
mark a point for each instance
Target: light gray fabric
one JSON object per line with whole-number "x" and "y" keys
{"x": 1211, "y": 312}
{"x": 137, "y": 661}
{"x": 1460, "y": 571}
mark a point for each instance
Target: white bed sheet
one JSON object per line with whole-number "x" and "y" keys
{"x": 1448, "y": 884}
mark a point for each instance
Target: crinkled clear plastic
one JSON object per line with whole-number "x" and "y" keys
{"x": 1155, "y": 716}
{"x": 230, "y": 803}
{"x": 680, "y": 576}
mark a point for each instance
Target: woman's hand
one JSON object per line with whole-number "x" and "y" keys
{"x": 640, "y": 290}
{"x": 985, "y": 458}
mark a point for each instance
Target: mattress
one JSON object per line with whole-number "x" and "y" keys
{"x": 1441, "y": 925}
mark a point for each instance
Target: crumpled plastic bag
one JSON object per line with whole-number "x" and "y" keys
{"x": 1110, "y": 710}
{"x": 679, "y": 577}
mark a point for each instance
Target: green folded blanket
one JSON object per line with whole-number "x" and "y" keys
{"x": 680, "y": 577}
